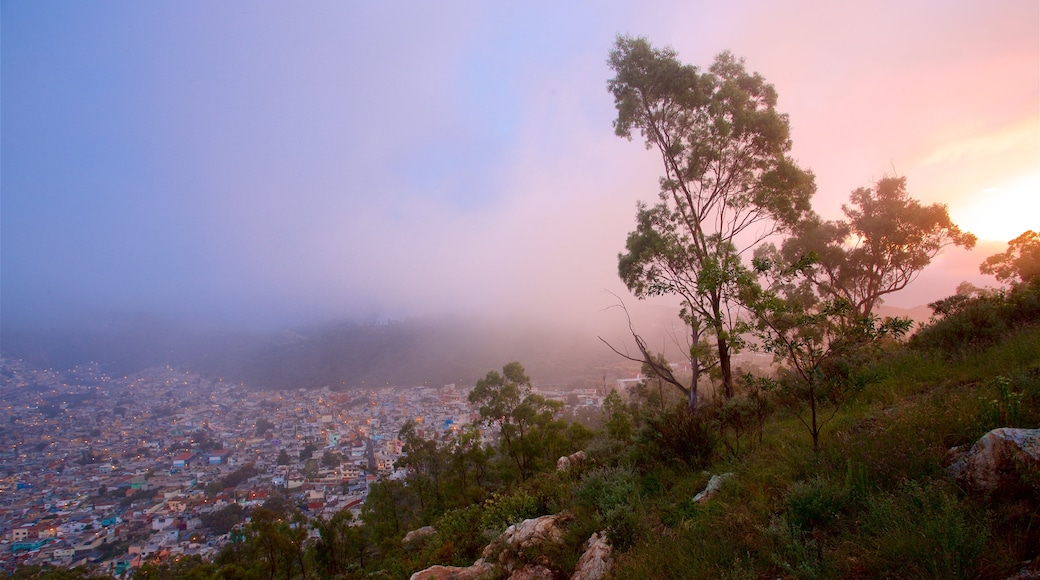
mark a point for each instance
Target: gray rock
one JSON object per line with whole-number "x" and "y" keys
{"x": 510, "y": 549}
{"x": 714, "y": 484}
{"x": 480, "y": 570}
{"x": 997, "y": 461}
{"x": 533, "y": 572}
{"x": 568, "y": 462}
{"x": 423, "y": 532}
{"x": 596, "y": 560}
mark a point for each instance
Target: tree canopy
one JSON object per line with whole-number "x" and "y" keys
{"x": 728, "y": 184}
{"x": 1019, "y": 263}
{"x": 885, "y": 241}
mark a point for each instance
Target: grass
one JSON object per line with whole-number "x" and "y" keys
{"x": 875, "y": 501}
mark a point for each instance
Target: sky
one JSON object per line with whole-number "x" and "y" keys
{"x": 275, "y": 163}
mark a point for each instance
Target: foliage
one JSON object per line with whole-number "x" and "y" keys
{"x": 813, "y": 334}
{"x": 223, "y": 520}
{"x": 530, "y": 435}
{"x": 619, "y": 418}
{"x": 263, "y": 425}
{"x": 1020, "y": 263}
{"x": 884, "y": 243}
{"x": 727, "y": 177}
{"x": 744, "y": 416}
{"x": 961, "y": 324}
{"x": 49, "y": 573}
{"x": 505, "y": 509}
{"x": 614, "y": 494}
{"x": 677, "y": 435}
{"x": 342, "y": 548}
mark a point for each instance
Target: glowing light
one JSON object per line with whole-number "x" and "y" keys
{"x": 1002, "y": 213}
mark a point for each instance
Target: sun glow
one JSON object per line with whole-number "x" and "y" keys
{"x": 1002, "y": 213}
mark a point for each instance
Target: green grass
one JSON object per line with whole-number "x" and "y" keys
{"x": 875, "y": 501}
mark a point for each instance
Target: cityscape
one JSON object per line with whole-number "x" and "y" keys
{"x": 110, "y": 472}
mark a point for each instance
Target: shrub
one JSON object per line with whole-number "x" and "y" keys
{"x": 614, "y": 495}
{"x": 502, "y": 510}
{"x": 963, "y": 323}
{"x": 678, "y": 435}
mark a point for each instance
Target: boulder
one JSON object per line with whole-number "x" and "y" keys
{"x": 714, "y": 484}
{"x": 533, "y": 572}
{"x": 998, "y": 462}
{"x": 480, "y": 570}
{"x": 423, "y": 532}
{"x": 568, "y": 462}
{"x": 595, "y": 561}
{"x": 508, "y": 554}
{"x": 516, "y": 542}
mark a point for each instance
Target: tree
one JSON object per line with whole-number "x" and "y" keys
{"x": 728, "y": 184}
{"x": 342, "y": 547}
{"x": 283, "y": 458}
{"x": 884, "y": 243}
{"x": 425, "y": 461}
{"x": 527, "y": 424}
{"x": 330, "y": 458}
{"x": 263, "y": 425}
{"x": 619, "y": 418}
{"x": 1020, "y": 263}
{"x": 813, "y": 334}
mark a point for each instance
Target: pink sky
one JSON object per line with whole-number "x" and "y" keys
{"x": 367, "y": 160}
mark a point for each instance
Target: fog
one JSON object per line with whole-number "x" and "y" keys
{"x": 261, "y": 166}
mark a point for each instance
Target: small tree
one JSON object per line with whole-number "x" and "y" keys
{"x": 527, "y": 424}
{"x": 812, "y": 334}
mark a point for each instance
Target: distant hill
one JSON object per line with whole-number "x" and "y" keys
{"x": 434, "y": 350}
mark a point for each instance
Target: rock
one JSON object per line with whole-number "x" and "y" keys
{"x": 712, "y": 488}
{"x": 595, "y": 561}
{"x": 998, "y": 461}
{"x": 568, "y": 462}
{"x": 511, "y": 547}
{"x": 480, "y": 570}
{"x": 533, "y": 572}
{"x": 423, "y": 532}
{"x": 508, "y": 553}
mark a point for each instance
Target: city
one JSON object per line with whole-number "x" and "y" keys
{"x": 111, "y": 472}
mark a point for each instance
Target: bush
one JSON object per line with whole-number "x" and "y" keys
{"x": 614, "y": 495}
{"x": 502, "y": 510}
{"x": 678, "y": 435}
{"x": 963, "y": 323}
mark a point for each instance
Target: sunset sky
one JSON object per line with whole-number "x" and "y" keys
{"x": 278, "y": 163}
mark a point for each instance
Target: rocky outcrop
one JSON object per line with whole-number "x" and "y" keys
{"x": 568, "y": 462}
{"x": 480, "y": 570}
{"x": 998, "y": 463}
{"x": 595, "y": 562}
{"x": 714, "y": 484}
{"x": 423, "y": 532}
{"x": 511, "y": 548}
{"x": 508, "y": 554}
{"x": 533, "y": 572}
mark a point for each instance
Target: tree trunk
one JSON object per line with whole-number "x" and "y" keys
{"x": 695, "y": 367}
{"x": 725, "y": 365}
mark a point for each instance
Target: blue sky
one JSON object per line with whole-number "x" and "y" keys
{"x": 274, "y": 163}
